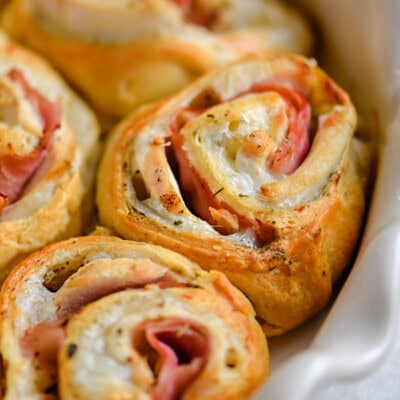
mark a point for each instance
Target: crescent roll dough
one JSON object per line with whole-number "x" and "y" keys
{"x": 99, "y": 318}
{"x": 123, "y": 53}
{"x": 254, "y": 171}
{"x": 48, "y": 148}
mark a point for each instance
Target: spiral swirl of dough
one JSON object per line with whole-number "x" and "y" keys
{"x": 48, "y": 148}
{"x": 125, "y": 53}
{"x": 102, "y": 318}
{"x": 253, "y": 170}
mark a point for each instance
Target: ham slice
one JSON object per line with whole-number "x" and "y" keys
{"x": 16, "y": 169}
{"x": 41, "y": 342}
{"x": 182, "y": 350}
{"x": 196, "y": 13}
{"x": 74, "y": 298}
{"x": 292, "y": 151}
{"x": 194, "y": 187}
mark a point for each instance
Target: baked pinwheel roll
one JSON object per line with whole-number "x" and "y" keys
{"x": 123, "y": 53}
{"x": 48, "y": 141}
{"x": 254, "y": 171}
{"x": 98, "y": 317}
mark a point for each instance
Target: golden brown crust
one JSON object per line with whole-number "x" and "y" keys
{"x": 285, "y": 238}
{"x": 105, "y": 289}
{"x": 121, "y": 70}
{"x": 56, "y": 202}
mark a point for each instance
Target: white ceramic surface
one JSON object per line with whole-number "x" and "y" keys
{"x": 352, "y": 350}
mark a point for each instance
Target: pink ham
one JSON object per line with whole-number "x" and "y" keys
{"x": 195, "y": 13}
{"x": 41, "y": 342}
{"x": 295, "y": 146}
{"x": 76, "y": 297}
{"x": 191, "y": 181}
{"x": 182, "y": 353}
{"x": 15, "y": 169}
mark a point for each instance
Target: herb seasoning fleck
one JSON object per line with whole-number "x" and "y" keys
{"x": 71, "y": 349}
{"x": 219, "y": 191}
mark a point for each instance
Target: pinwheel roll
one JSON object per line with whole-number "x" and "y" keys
{"x": 102, "y": 318}
{"x": 124, "y": 53}
{"x": 254, "y": 171}
{"x": 48, "y": 141}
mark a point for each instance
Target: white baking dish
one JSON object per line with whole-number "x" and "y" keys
{"x": 352, "y": 350}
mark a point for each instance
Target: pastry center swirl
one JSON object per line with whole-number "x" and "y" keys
{"x": 231, "y": 149}
{"x": 27, "y": 123}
